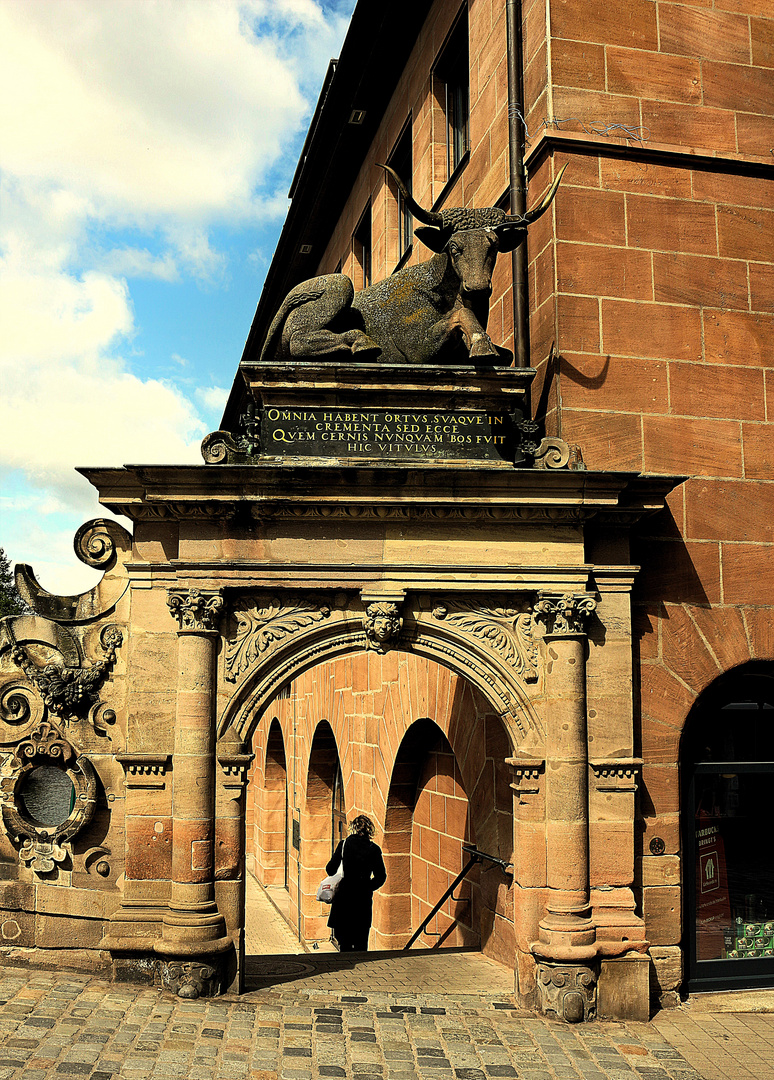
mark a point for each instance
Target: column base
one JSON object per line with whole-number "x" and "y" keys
{"x": 569, "y": 936}
{"x": 567, "y": 991}
{"x": 195, "y": 952}
{"x": 192, "y": 930}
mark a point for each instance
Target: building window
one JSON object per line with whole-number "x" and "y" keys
{"x": 401, "y": 161}
{"x": 727, "y": 775}
{"x": 361, "y": 243}
{"x": 452, "y": 70}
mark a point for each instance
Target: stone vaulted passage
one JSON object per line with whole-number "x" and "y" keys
{"x": 417, "y": 748}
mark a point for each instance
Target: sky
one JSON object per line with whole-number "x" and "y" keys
{"x": 146, "y": 151}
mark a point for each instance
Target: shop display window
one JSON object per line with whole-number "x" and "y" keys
{"x": 728, "y": 865}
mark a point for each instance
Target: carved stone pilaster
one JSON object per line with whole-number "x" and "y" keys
{"x": 567, "y": 934}
{"x": 193, "y": 928}
{"x": 568, "y": 991}
{"x": 196, "y": 612}
{"x": 565, "y": 615}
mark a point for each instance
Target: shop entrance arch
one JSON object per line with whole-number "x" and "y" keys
{"x": 728, "y": 779}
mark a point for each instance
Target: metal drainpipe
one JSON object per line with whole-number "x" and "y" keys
{"x": 518, "y": 180}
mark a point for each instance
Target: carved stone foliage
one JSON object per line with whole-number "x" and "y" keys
{"x": 382, "y": 625}
{"x": 265, "y": 622}
{"x": 564, "y": 615}
{"x": 505, "y": 630}
{"x": 195, "y": 611}
{"x": 70, "y": 692}
{"x": 568, "y": 991}
{"x": 48, "y": 796}
{"x": 190, "y": 979}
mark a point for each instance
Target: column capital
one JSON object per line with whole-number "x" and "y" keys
{"x": 565, "y": 614}
{"x": 196, "y": 612}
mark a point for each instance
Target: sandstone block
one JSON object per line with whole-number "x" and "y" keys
{"x": 663, "y": 915}
{"x": 666, "y": 971}
{"x": 623, "y": 990}
{"x": 674, "y": 332}
{"x": 659, "y": 870}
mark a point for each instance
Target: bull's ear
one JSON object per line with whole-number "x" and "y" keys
{"x": 435, "y": 239}
{"x": 509, "y": 236}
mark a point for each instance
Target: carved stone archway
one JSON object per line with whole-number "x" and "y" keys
{"x": 487, "y": 640}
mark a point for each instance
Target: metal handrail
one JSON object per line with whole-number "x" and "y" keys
{"x": 475, "y": 856}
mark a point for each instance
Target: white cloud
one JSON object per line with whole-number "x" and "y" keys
{"x": 138, "y": 263}
{"x": 47, "y": 317}
{"x": 212, "y": 398}
{"x": 161, "y": 119}
{"x": 148, "y": 108}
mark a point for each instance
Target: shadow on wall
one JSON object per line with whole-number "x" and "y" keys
{"x": 443, "y": 793}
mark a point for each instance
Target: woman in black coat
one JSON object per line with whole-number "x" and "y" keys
{"x": 364, "y": 873}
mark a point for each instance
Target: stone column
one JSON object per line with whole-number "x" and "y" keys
{"x": 193, "y": 930}
{"x": 229, "y": 844}
{"x": 566, "y": 949}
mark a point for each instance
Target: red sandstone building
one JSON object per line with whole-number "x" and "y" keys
{"x": 649, "y": 286}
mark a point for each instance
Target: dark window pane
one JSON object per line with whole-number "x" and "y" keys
{"x": 452, "y": 68}
{"x": 47, "y": 796}
{"x": 362, "y": 249}
{"x": 401, "y": 160}
{"x": 736, "y": 722}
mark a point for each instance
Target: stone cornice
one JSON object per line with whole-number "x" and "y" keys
{"x": 437, "y": 491}
{"x": 549, "y": 139}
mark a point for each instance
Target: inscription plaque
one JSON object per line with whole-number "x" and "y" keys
{"x": 387, "y": 433}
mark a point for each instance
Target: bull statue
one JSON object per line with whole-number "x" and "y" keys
{"x": 435, "y": 311}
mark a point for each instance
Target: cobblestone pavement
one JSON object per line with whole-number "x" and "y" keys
{"x": 59, "y": 1024}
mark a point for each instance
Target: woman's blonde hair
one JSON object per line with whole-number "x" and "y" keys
{"x": 361, "y": 826}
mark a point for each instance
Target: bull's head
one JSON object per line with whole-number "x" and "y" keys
{"x": 472, "y": 238}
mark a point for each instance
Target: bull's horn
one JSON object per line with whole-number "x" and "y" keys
{"x": 533, "y": 215}
{"x": 427, "y": 217}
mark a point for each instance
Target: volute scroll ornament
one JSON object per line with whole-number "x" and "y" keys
{"x": 98, "y": 542}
